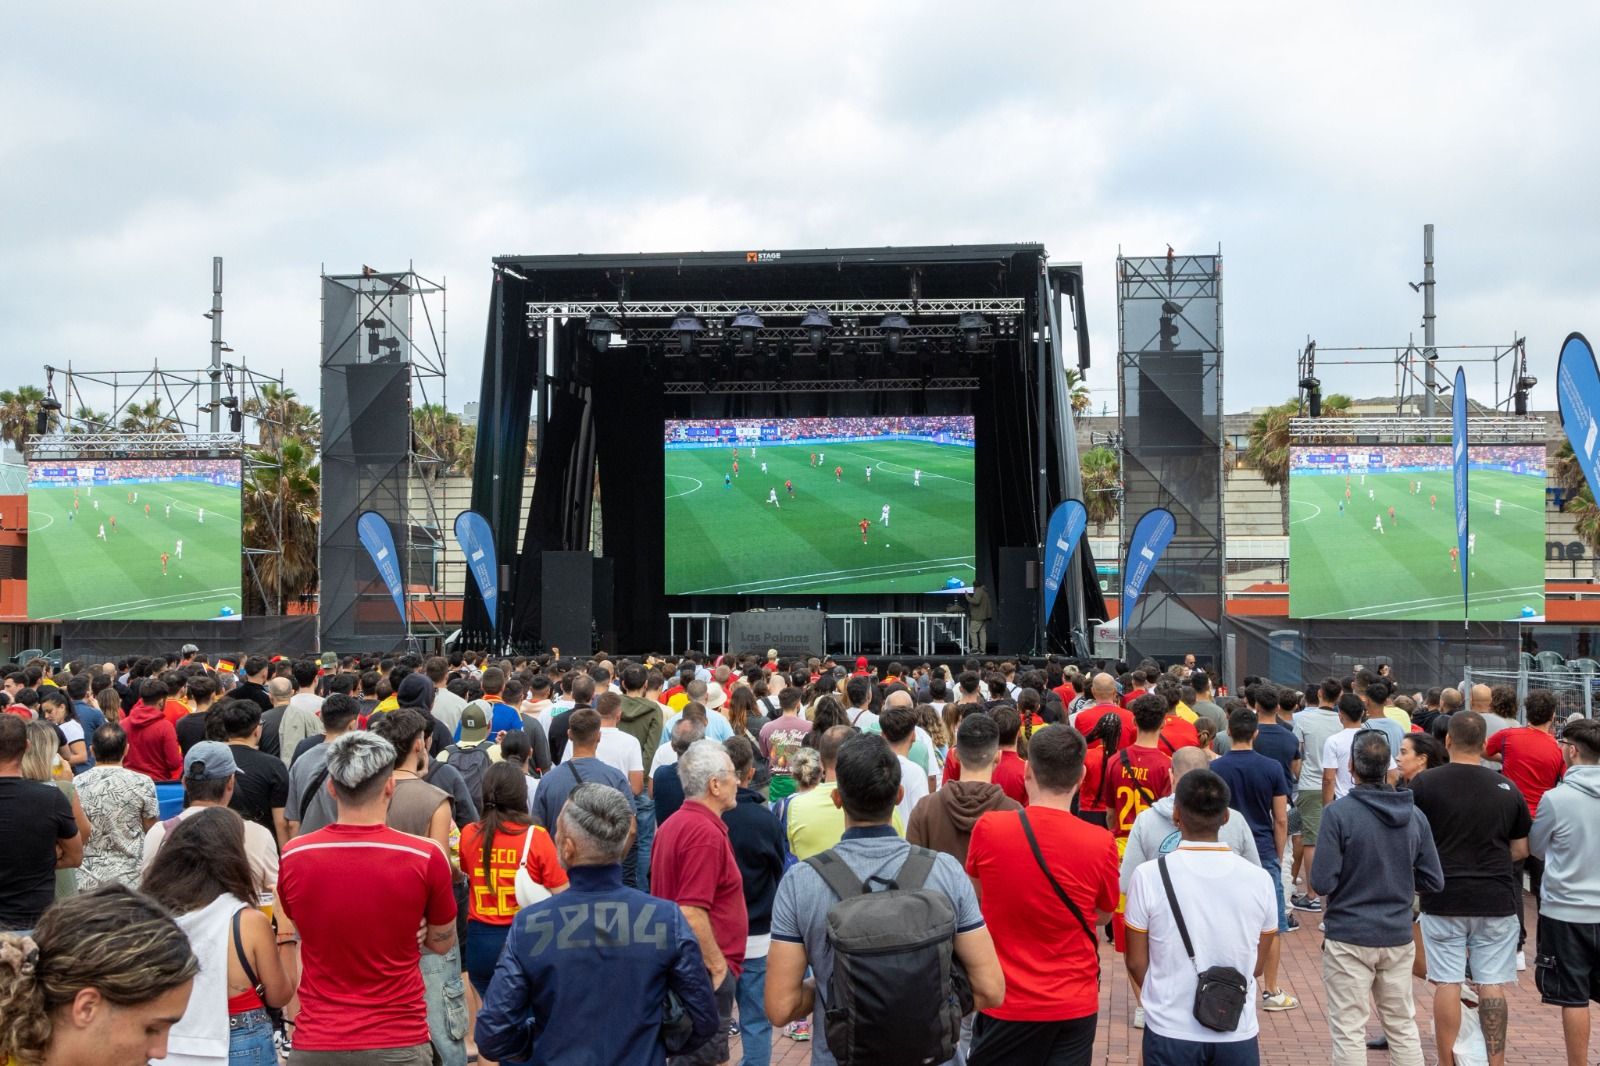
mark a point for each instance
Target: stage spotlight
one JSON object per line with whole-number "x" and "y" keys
{"x": 971, "y": 325}
{"x": 1313, "y": 389}
{"x": 370, "y": 323}
{"x": 748, "y": 323}
{"x": 1519, "y": 399}
{"x": 600, "y": 328}
{"x": 1168, "y": 337}
{"x": 686, "y": 326}
{"x": 894, "y": 327}
{"x": 817, "y": 325}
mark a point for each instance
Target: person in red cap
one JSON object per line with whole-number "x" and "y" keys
{"x": 861, "y": 666}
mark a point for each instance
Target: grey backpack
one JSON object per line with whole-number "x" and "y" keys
{"x": 898, "y": 993}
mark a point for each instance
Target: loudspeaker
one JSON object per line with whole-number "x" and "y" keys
{"x": 1171, "y": 397}
{"x": 605, "y": 608}
{"x": 1012, "y": 629}
{"x": 566, "y": 601}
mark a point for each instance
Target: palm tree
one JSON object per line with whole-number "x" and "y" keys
{"x": 281, "y": 416}
{"x": 1567, "y": 471}
{"x": 286, "y": 493}
{"x": 87, "y": 420}
{"x": 1101, "y": 471}
{"x": 441, "y": 436}
{"x": 1268, "y": 449}
{"x": 19, "y": 408}
{"x": 146, "y": 418}
{"x": 1078, "y": 390}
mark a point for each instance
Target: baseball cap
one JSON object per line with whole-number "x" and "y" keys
{"x": 715, "y": 697}
{"x": 330, "y": 659}
{"x": 861, "y": 662}
{"x": 214, "y": 760}
{"x": 474, "y": 724}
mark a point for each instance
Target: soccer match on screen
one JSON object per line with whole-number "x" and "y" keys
{"x": 134, "y": 539}
{"x": 1372, "y": 533}
{"x": 813, "y": 505}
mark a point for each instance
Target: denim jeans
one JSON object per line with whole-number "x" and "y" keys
{"x": 250, "y": 1039}
{"x": 447, "y": 1005}
{"x": 636, "y": 864}
{"x": 755, "y": 1032}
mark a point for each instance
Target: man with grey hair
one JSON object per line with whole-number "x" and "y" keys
{"x": 693, "y": 865}
{"x": 545, "y": 986}
{"x": 666, "y": 790}
{"x": 296, "y": 722}
{"x": 327, "y": 881}
{"x": 1376, "y": 853}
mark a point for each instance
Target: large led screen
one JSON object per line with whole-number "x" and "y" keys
{"x": 134, "y": 538}
{"x": 1372, "y": 533}
{"x": 819, "y": 505}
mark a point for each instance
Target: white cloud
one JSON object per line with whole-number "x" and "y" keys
{"x": 1311, "y": 144}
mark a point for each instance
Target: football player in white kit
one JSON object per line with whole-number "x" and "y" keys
{"x": 1377, "y": 522}
{"x": 1497, "y": 507}
{"x": 1472, "y": 544}
{"x": 772, "y": 498}
{"x": 178, "y": 552}
{"x": 916, "y": 478}
{"x": 885, "y": 518}
{"x": 869, "y": 473}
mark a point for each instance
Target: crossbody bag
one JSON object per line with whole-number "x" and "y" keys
{"x": 1061, "y": 893}
{"x": 1220, "y": 992}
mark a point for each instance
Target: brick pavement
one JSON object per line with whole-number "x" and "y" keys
{"x": 1297, "y": 1037}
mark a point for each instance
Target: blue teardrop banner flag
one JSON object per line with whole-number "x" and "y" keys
{"x": 1065, "y": 529}
{"x": 373, "y": 529}
{"x": 1150, "y": 538}
{"x": 472, "y": 534}
{"x": 1578, "y": 396}
{"x": 1458, "y": 445}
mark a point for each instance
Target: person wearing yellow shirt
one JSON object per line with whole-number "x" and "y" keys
{"x": 816, "y": 818}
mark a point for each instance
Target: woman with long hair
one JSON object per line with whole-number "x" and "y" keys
{"x": 1419, "y": 752}
{"x": 202, "y": 876}
{"x": 59, "y": 712}
{"x": 742, "y": 711}
{"x": 98, "y": 983}
{"x": 492, "y": 851}
{"x": 1029, "y": 703}
{"x": 826, "y": 713}
{"x": 41, "y": 763}
{"x": 1103, "y": 742}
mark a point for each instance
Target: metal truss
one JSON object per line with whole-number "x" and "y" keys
{"x": 871, "y": 336}
{"x": 134, "y": 446}
{"x": 1413, "y": 429}
{"x": 723, "y": 388}
{"x": 1178, "y": 278}
{"x": 778, "y": 308}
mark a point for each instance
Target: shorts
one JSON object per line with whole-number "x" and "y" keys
{"x": 1567, "y": 966}
{"x": 714, "y": 1050}
{"x": 1308, "y": 802}
{"x": 1274, "y": 870}
{"x": 1488, "y": 945}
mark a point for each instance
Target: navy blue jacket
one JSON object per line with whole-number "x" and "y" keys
{"x": 595, "y": 944}
{"x": 758, "y": 848}
{"x": 1374, "y": 853}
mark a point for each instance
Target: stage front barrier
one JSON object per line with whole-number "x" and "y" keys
{"x": 699, "y": 632}
{"x": 888, "y": 634}
{"x": 1573, "y": 684}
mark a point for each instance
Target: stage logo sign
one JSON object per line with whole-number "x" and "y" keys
{"x": 1062, "y": 534}
{"x": 472, "y": 534}
{"x": 1578, "y": 396}
{"x": 1458, "y": 443}
{"x": 1150, "y": 538}
{"x": 373, "y": 529}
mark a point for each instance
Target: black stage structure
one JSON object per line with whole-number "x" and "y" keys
{"x": 987, "y": 330}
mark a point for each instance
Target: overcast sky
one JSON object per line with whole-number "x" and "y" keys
{"x": 1311, "y": 142}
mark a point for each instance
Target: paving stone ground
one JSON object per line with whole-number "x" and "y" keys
{"x": 1297, "y": 1037}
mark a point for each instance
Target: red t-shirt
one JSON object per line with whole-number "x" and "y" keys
{"x": 175, "y": 711}
{"x": 1531, "y": 758}
{"x": 1090, "y": 716}
{"x": 1049, "y": 963}
{"x": 1129, "y": 795}
{"x": 357, "y": 894}
{"x": 692, "y": 864}
{"x": 1066, "y": 692}
{"x": 493, "y": 899}
{"x": 1176, "y": 733}
{"x": 1008, "y": 773}
{"x": 1089, "y": 792}
{"x": 1133, "y": 694}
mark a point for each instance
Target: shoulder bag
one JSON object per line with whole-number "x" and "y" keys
{"x": 1061, "y": 893}
{"x": 1221, "y": 991}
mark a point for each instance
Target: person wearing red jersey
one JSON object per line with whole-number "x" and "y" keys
{"x": 1140, "y": 773}
{"x": 1104, "y": 741}
{"x": 1531, "y": 759}
{"x": 1009, "y": 768}
{"x": 361, "y": 987}
{"x": 1139, "y": 684}
{"x": 1103, "y": 687}
{"x": 736, "y": 468}
{"x": 838, "y": 473}
{"x": 788, "y": 483}
{"x": 865, "y": 525}
{"x": 163, "y": 564}
{"x": 1455, "y": 559}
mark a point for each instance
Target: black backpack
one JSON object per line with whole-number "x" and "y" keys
{"x": 472, "y": 764}
{"x": 898, "y": 993}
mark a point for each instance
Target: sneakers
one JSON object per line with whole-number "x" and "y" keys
{"x": 1304, "y": 902}
{"x": 1522, "y": 961}
{"x": 800, "y": 1031}
{"x": 733, "y": 1028}
{"x": 1138, "y": 1017}
{"x": 1292, "y": 923}
{"x": 1279, "y": 1000}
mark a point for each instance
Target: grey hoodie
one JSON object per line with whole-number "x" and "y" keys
{"x": 1153, "y": 835}
{"x": 1374, "y": 853}
{"x": 1566, "y": 835}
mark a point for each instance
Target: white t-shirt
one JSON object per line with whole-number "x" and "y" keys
{"x": 1336, "y": 757}
{"x": 1227, "y": 904}
{"x": 308, "y": 701}
{"x": 665, "y": 755}
{"x": 616, "y": 749}
{"x": 862, "y": 719}
{"x": 914, "y": 779}
{"x": 71, "y": 730}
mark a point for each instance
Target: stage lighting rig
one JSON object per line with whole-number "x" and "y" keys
{"x": 1313, "y": 389}
{"x": 894, "y": 327}
{"x": 817, "y": 325}
{"x": 1524, "y": 384}
{"x": 601, "y": 328}
{"x": 748, "y": 323}
{"x": 687, "y": 325}
{"x": 1167, "y": 339}
{"x": 971, "y": 325}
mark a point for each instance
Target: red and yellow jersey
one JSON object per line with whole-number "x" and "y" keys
{"x": 1136, "y": 777}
